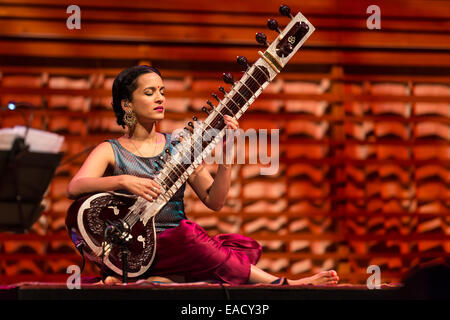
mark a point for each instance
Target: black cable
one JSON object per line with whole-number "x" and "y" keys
{"x": 227, "y": 293}
{"x": 80, "y": 249}
{"x": 103, "y": 269}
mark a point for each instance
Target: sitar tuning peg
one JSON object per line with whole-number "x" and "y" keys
{"x": 210, "y": 104}
{"x": 273, "y": 25}
{"x": 221, "y": 89}
{"x": 205, "y": 110}
{"x": 261, "y": 38}
{"x": 304, "y": 27}
{"x": 215, "y": 97}
{"x": 228, "y": 78}
{"x": 286, "y": 11}
{"x": 242, "y": 61}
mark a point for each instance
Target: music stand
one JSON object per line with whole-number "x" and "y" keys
{"x": 24, "y": 179}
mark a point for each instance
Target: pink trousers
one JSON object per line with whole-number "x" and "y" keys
{"x": 188, "y": 250}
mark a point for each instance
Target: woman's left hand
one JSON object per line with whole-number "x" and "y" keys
{"x": 228, "y": 139}
{"x": 231, "y": 123}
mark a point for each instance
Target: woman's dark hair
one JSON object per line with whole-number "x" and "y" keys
{"x": 124, "y": 85}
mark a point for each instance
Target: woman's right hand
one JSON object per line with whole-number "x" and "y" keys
{"x": 144, "y": 187}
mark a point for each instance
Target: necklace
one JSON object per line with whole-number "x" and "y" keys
{"x": 154, "y": 148}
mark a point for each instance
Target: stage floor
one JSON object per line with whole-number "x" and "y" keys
{"x": 196, "y": 291}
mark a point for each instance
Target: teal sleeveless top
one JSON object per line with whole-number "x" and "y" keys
{"x": 128, "y": 163}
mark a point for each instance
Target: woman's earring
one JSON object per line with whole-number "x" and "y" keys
{"x": 130, "y": 119}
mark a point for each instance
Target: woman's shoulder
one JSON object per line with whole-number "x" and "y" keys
{"x": 105, "y": 150}
{"x": 108, "y": 145}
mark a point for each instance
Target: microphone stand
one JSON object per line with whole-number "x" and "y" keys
{"x": 118, "y": 233}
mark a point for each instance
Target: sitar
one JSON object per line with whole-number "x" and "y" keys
{"x": 117, "y": 231}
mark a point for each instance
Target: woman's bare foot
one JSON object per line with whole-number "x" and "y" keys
{"x": 110, "y": 280}
{"x": 322, "y": 278}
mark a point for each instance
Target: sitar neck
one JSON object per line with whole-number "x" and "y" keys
{"x": 198, "y": 143}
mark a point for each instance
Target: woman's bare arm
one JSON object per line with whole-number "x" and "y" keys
{"x": 212, "y": 192}
{"x": 90, "y": 177}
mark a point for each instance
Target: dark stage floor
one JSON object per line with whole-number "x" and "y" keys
{"x": 157, "y": 291}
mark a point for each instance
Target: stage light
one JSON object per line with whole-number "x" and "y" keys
{"x": 11, "y": 105}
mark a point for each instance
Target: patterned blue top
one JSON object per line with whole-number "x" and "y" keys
{"x": 126, "y": 162}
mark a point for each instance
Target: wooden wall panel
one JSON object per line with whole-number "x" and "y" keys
{"x": 397, "y": 8}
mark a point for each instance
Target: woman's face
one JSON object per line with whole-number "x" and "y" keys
{"x": 148, "y": 98}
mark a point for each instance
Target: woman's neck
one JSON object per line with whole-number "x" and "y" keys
{"x": 144, "y": 133}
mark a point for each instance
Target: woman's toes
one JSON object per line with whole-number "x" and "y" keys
{"x": 111, "y": 280}
{"x": 333, "y": 275}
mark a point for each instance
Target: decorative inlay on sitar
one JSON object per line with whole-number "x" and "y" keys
{"x": 100, "y": 218}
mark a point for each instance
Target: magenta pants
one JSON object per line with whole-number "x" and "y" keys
{"x": 189, "y": 251}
